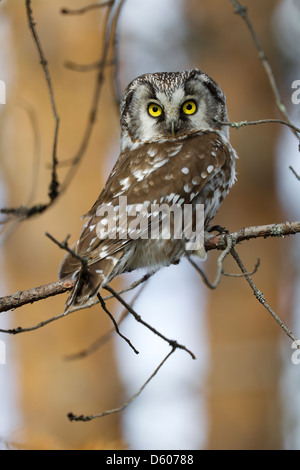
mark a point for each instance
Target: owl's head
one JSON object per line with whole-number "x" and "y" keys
{"x": 168, "y": 104}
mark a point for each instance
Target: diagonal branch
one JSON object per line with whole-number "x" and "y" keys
{"x": 260, "y": 297}
{"x": 242, "y": 11}
{"x": 22, "y": 211}
{"x": 217, "y": 242}
{"x": 85, "y": 418}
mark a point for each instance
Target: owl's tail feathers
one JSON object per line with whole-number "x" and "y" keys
{"x": 88, "y": 280}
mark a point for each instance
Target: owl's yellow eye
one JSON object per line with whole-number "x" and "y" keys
{"x": 189, "y": 107}
{"x": 154, "y": 110}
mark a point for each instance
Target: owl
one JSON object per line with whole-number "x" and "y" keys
{"x": 174, "y": 150}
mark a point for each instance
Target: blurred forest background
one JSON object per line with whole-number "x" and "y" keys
{"x": 241, "y": 392}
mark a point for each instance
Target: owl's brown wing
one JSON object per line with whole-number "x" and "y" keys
{"x": 174, "y": 171}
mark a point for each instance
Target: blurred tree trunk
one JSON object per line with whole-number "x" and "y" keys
{"x": 243, "y": 406}
{"x": 49, "y": 386}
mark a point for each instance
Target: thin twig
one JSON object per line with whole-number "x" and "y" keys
{"x": 6, "y": 232}
{"x": 53, "y": 189}
{"x": 216, "y": 282}
{"x": 19, "y": 329}
{"x": 80, "y": 11}
{"x": 138, "y": 318}
{"x": 95, "y": 101}
{"x": 64, "y": 246}
{"x": 260, "y": 297}
{"x": 243, "y": 274}
{"x": 103, "y": 305}
{"x": 86, "y": 67}
{"x": 240, "y": 124}
{"x": 115, "y": 56}
{"x": 98, "y": 343}
{"x": 242, "y": 11}
{"x": 31, "y": 112}
{"x": 294, "y": 172}
{"x": 86, "y": 418}
{"x": 56, "y": 189}
{"x": 26, "y": 212}
{"x": 44, "y": 290}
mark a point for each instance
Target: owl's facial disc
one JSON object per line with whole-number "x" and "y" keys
{"x": 163, "y": 105}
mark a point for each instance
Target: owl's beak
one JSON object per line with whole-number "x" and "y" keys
{"x": 173, "y": 128}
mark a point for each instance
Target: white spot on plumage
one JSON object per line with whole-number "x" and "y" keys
{"x": 209, "y": 169}
{"x": 114, "y": 260}
{"x": 139, "y": 207}
{"x": 203, "y": 174}
{"x": 187, "y": 188}
{"x": 125, "y": 183}
{"x": 119, "y": 193}
{"x": 139, "y": 175}
{"x": 174, "y": 150}
{"x": 185, "y": 170}
{"x": 196, "y": 180}
{"x": 93, "y": 241}
{"x": 158, "y": 164}
{"x": 170, "y": 197}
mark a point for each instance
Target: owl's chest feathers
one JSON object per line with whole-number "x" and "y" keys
{"x": 215, "y": 190}
{"x": 153, "y": 254}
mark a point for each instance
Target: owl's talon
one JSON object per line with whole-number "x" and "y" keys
{"x": 218, "y": 228}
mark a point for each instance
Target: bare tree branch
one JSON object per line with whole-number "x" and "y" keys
{"x": 56, "y": 189}
{"x": 260, "y": 297}
{"x": 80, "y": 11}
{"x": 242, "y": 11}
{"x": 85, "y": 418}
{"x": 237, "y": 125}
{"x": 294, "y": 172}
{"x": 259, "y": 231}
{"x": 23, "y": 212}
{"x": 138, "y": 318}
{"x": 112, "y": 11}
{"x": 217, "y": 242}
{"x": 98, "y": 343}
{"x": 103, "y": 305}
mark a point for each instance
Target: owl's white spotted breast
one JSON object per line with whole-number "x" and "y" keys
{"x": 198, "y": 168}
